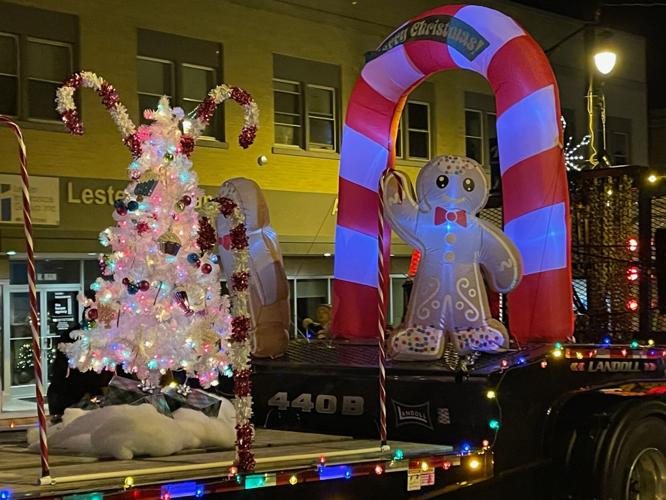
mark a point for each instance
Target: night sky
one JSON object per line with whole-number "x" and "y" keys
{"x": 643, "y": 17}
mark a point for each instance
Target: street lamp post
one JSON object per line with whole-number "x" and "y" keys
{"x": 600, "y": 65}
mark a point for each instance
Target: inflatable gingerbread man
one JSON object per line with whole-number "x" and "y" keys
{"x": 458, "y": 250}
{"x": 268, "y": 287}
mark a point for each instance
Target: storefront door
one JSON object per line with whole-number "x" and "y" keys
{"x": 58, "y": 313}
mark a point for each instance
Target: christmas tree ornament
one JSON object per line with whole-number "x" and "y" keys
{"x": 187, "y": 200}
{"x": 206, "y": 268}
{"x": 192, "y": 258}
{"x": 133, "y": 206}
{"x": 142, "y": 227}
{"x": 169, "y": 243}
{"x": 144, "y": 285}
{"x": 92, "y": 314}
{"x": 182, "y": 300}
{"x": 146, "y": 184}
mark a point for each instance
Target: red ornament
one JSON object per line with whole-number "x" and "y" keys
{"x": 246, "y": 460}
{"x": 134, "y": 144}
{"x": 241, "y": 96}
{"x": 121, "y": 210}
{"x": 206, "y": 109}
{"x": 144, "y": 285}
{"x": 92, "y": 314}
{"x": 109, "y": 95}
{"x": 187, "y": 200}
{"x": 238, "y": 237}
{"x": 142, "y": 227}
{"x": 72, "y": 121}
{"x": 247, "y": 136}
{"x": 240, "y": 280}
{"x": 240, "y": 325}
{"x": 242, "y": 383}
{"x": 126, "y": 281}
{"x": 206, "y": 235}
{"x": 186, "y": 144}
{"x": 206, "y": 268}
{"x": 227, "y": 206}
{"x": 74, "y": 81}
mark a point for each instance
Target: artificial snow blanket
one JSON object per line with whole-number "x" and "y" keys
{"x": 126, "y": 431}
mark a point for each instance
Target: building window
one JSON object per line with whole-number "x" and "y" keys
{"x": 417, "y": 141}
{"x": 481, "y": 135}
{"x": 287, "y": 116}
{"x": 618, "y": 139}
{"x": 184, "y": 69}
{"x": 620, "y": 148}
{"x": 306, "y": 109}
{"x": 37, "y": 54}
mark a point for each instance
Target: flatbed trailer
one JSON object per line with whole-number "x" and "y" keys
{"x": 567, "y": 412}
{"x": 284, "y": 459}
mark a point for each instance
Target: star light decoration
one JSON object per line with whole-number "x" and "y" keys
{"x": 573, "y": 153}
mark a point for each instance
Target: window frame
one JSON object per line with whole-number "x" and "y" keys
{"x": 308, "y": 116}
{"x": 310, "y": 75}
{"x": 300, "y": 114}
{"x": 481, "y": 137}
{"x": 173, "y": 77}
{"x": 158, "y": 43}
{"x": 23, "y": 80}
{"x": 408, "y": 130}
{"x": 305, "y": 143}
{"x": 17, "y": 76}
{"x": 627, "y": 143}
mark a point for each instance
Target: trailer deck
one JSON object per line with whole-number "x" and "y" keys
{"x": 281, "y": 456}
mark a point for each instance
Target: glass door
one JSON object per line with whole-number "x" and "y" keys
{"x": 58, "y": 313}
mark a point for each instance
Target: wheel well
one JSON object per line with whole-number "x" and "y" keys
{"x": 585, "y": 431}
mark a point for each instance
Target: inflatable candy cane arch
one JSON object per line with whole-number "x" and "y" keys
{"x": 536, "y": 202}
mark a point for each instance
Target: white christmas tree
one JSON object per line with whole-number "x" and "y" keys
{"x": 158, "y": 306}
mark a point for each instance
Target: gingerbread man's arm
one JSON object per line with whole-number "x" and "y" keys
{"x": 401, "y": 208}
{"x": 500, "y": 258}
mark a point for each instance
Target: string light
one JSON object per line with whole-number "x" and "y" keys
{"x": 632, "y": 305}
{"x": 293, "y": 480}
{"x": 632, "y": 244}
{"x": 128, "y": 483}
{"x": 491, "y": 394}
{"x": 573, "y": 153}
{"x": 474, "y": 464}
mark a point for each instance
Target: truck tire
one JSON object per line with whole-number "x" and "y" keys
{"x": 637, "y": 463}
{"x": 618, "y": 453}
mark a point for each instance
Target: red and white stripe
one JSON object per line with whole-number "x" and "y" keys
{"x": 536, "y": 203}
{"x": 32, "y": 293}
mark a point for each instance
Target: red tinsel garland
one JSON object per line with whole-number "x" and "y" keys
{"x": 240, "y": 327}
{"x": 206, "y": 236}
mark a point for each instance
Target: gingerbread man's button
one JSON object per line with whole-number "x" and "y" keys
{"x": 449, "y": 256}
{"x": 451, "y": 238}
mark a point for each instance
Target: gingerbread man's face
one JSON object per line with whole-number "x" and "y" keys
{"x": 452, "y": 182}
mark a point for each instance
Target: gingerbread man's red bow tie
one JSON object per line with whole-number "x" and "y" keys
{"x": 443, "y": 215}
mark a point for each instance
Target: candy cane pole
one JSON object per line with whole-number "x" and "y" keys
{"x": 381, "y": 323}
{"x": 32, "y": 291}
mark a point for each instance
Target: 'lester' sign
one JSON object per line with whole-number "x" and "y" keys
{"x": 446, "y": 29}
